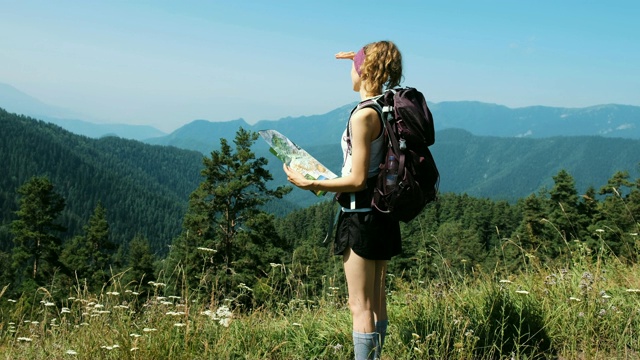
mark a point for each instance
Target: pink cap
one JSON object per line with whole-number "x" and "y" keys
{"x": 358, "y": 60}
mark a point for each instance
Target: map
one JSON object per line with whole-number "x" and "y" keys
{"x": 296, "y": 157}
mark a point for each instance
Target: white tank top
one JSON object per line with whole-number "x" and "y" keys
{"x": 375, "y": 157}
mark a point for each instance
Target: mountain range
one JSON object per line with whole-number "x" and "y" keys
{"x": 482, "y": 149}
{"x": 483, "y": 119}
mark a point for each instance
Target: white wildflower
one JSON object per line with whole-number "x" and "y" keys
{"x": 207, "y": 250}
{"x": 26, "y": 339}
{"x": 114, "y": 346}
{"x": 524, "y": 292}
{"x": 574, "y": 299}
{"x": 225, "y": 322}
{"x": 633, "y": 290}
{"x": 134, "y": 335}
{"x": 71, "y": 352}
{"x": 149, "y": 329}
{"x": 65, "y": 310}
{"x": 245, "y": 287}
{"x": 179, "y": 324}
{"x": 12, "y": 301}
{"x": 49, "y": 303}
{"x": 175, "y": 313}
{"x": 505, "y": 281}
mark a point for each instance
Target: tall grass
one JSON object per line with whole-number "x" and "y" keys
{"x": 583, "y": 310}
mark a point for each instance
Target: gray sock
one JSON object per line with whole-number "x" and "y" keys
{"x": 381, "y": 329}
{"x": 364, "y": 345}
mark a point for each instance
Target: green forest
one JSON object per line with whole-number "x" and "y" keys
{"x": 228, "y": 212}
{"x": 233, "y": 239}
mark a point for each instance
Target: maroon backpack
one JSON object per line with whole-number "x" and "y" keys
{"x": 408, "y": 178}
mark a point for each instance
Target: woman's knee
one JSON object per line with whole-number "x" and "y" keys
{"x": 360, "y": 306}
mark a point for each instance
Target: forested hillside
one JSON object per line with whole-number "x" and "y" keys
{"x": 513, "y": 168}
{"x": 143, "y": 188}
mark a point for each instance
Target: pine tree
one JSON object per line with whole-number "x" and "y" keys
{"x": 140, "y": 264}
{"x": 218, "y": 221}
{"x": 36, "y": 237}
{"x": 564, "y": 216}
{"x": 89, "y": 255}
{"x": 533, "y": 235}
{"x": 619, "y": 216}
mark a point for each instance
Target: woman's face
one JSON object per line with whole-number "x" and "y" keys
{"x": 355, "y": 78}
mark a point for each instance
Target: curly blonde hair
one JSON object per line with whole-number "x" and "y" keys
{"x": 382, "y": 66}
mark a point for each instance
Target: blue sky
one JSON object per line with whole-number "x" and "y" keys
{"x": 166, "y": 63}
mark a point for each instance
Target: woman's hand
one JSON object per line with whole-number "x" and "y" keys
{"x": 297, "y": 179}
{"x": 345, "y": 55}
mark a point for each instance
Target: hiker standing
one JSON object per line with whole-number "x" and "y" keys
{"x": 365, "y": 238}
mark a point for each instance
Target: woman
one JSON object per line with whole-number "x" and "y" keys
{"x": 365, "y": 238}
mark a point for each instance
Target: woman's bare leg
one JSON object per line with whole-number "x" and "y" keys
{"x": 360, "y": 274}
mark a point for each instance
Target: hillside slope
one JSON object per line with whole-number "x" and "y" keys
{"x": 144, "y": 188}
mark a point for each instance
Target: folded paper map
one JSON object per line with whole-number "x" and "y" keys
{"x": 296, "y": 158}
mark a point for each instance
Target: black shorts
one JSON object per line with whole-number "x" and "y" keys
{"x": 372, "y": 235}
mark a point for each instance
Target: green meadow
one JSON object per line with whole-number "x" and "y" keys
{"x": 584, "y": 310}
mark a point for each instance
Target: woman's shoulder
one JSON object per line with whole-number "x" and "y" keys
{"x": 364, "y": 114}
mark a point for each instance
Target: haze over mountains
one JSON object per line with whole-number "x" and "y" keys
{"x": 15, "y": 101}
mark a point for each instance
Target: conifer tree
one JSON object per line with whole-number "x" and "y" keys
{"x": 140, "y": 264}
{"x": 563, "y": 214}
{"x": 218, "y": 221}
{"x": 36, "y": 234}
{"x": 89, "y": 255}
{"x": 620, "y": 216}
{"x": 533, "y": 234}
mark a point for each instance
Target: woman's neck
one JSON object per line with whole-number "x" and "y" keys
{"x": 364, "y": 94}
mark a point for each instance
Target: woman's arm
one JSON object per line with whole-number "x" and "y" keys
{"x": 364, "y": 128}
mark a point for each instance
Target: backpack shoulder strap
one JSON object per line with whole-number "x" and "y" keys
{"x": 369, "y": 103}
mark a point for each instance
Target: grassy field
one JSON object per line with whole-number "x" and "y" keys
{"x": 585, "y": 310}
